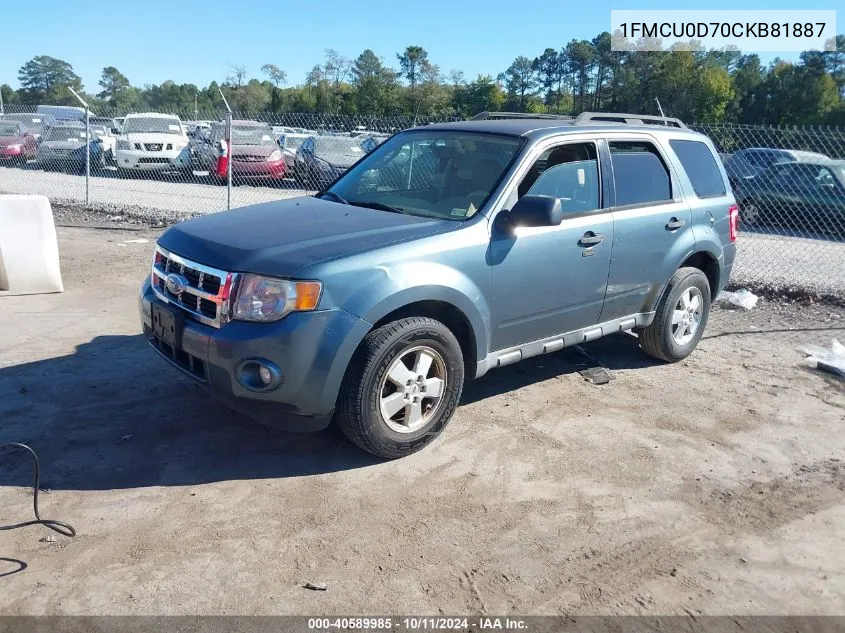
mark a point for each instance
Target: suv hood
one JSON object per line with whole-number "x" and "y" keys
{"x": 153, "y": 137}
{"x": 279, "y": 238}
{"x": 254, "y": 150}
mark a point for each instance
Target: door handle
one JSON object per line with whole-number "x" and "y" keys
{"x": 591, "y": 239}
{"x": 674, "y": 224}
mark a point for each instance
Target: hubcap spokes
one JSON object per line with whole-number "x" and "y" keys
{"x": 412, "y": 389}
{"x": 686, "y": 318}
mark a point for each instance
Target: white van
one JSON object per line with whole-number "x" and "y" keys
{"x": 150, "y": 141}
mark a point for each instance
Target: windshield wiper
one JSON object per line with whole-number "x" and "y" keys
{"x": 377, "y": 205}
{"x": 333, "y": 195}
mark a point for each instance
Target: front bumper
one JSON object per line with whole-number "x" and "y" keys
{"x": 164, "y": 160}
{"x": 259, "y": 169}
{"x": 312, "y": 349}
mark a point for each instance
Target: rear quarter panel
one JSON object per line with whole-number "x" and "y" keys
{"x": 709, "y": 216}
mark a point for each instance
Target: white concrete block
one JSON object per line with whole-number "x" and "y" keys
{"x": 29, "y": 252}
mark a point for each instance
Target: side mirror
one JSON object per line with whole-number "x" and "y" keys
{"x": 536, "y": 211}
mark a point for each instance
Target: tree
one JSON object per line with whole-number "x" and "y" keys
{"x": 375, "y": 84}
{"x": 114, "y": 85}
{"x": 9, "y": 95}
{"x": 581, "y": 55}
{"x": 411, "y": 62}
{"x": 277, "y": 78}
{"x": 45, "y": 78}
{"x": 549, "y": 70}
{"x": 520, "y": 83}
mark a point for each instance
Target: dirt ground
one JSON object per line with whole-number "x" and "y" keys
{"x": 711, "y": 486}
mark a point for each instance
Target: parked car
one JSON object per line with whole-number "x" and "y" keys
{"x": 255, "y": 152}
{"x": 105, "y": 122}
{"x": 807, "y": 195}
{"x": 747, "y": 163}
{"x": 371, "y": 141}
{"x": 450, "y": 250}
{"x": 17, "y": 143}
{"x": 193, "y": 128}
{"x": 321, "y": 159}
{"x": 34, "y": 123}
{"x": 152, "y": 142}
{"x": 63, "y": 147}
{"x": 104, "y": 146}
{"x": 289, "y": 144}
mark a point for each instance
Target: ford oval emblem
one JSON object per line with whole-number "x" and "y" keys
{"x": 175, "y": 284}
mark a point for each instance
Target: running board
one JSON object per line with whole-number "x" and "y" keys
{"x": 551, "y": 344}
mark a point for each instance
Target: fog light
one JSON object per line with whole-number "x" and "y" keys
{"x": 258, "y": 374}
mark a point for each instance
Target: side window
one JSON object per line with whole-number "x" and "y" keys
{"x": 569, "y": 172}
{"x": 702, "y": 169}
{"x": 639, "y": 173}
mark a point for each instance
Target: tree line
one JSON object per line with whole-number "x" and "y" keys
{"x": 694, "y": 85}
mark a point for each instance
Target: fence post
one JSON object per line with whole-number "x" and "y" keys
{"x": 229, "y": 161}
{"x": 87, "y": 157}
{"x": 87, "y": 147}
{"x": 228, "y": 151}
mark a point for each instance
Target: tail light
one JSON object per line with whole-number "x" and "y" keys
{"x": 733, "y": 221}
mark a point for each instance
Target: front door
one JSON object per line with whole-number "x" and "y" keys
{"x": 551, "y": 280}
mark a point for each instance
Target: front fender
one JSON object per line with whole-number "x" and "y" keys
{"x": 389, "y": 288}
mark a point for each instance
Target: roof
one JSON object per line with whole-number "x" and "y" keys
{"x": 150, "y": 115}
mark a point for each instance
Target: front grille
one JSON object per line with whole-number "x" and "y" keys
{"x": 189, "y": 363}
{"x": 249, "y": 159}
{"x": 205, "y": 296}
{"x": 138, "y": 146}
{"x": 157, "y": 161}
{"x": 153, "y": 147}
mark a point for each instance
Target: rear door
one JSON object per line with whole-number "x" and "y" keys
{"x": 652, "y": 224}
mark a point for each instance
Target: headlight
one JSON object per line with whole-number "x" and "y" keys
{"x": 276, "y": 155}
{"x": 269, "y": 299}
{"x": 124, "y": 145}
{"x": 15, "y": 147}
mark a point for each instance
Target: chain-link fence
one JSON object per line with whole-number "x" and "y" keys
{"x": 789, "y": 182}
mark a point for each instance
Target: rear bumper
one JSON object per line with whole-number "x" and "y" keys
{"x": 11, "y": 153}
{"x": 312, "y": 350}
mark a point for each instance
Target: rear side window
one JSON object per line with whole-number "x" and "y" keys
{"x": 639, "y": 173}
{"x": 701, "y": 167}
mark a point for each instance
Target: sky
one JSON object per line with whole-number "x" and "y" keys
{"x": 197, "y": 42}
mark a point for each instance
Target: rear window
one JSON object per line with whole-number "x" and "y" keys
{"x": 701, "y": 167}
{"x": 639, "y": 174}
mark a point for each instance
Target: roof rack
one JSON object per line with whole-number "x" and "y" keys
{"x": 483, "y": 116}
{"x": 630, "y": 119}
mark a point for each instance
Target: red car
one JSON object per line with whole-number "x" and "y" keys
{"x": 255, "y": 153}
{"x": 16, "y": 143}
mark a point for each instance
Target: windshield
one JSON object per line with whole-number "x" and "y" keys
{"x": 99, "y": 130}
{"x": 336, "y": 146}
{"x": 447, "y": 175}
{"x": 7, "y": 129}
{"x": 152, "y": 126}
{"x": 246, "y": 134}
{"x": 252, "y": 135}
{"x": 66, "y": 134}
{"x": 293, "y": 143}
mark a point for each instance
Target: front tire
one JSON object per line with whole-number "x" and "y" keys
{"x": 680, "y": 318}
{"x": 402, "y": 387}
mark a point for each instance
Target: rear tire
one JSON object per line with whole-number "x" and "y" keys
{"x": 680, "y": 318}
{"x": 387, "y": 403}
